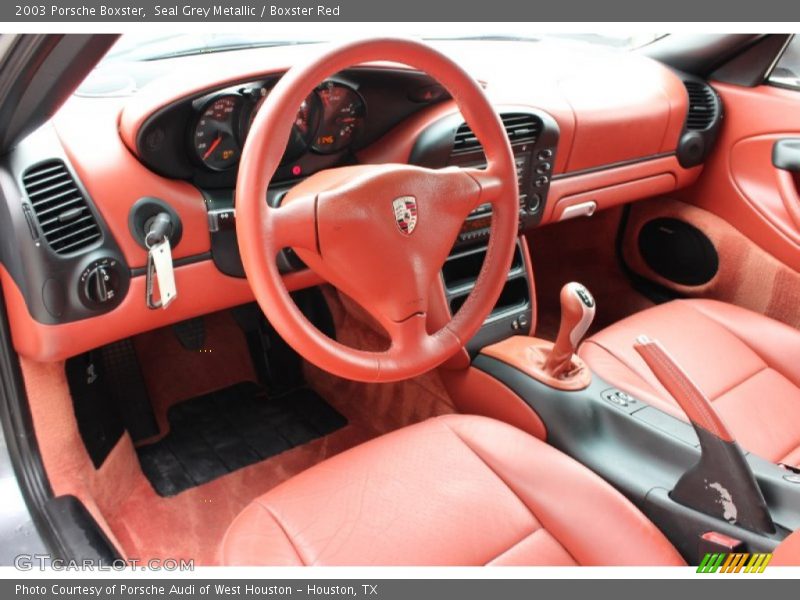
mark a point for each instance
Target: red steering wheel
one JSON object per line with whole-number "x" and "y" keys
{"x": 378, "y": 233}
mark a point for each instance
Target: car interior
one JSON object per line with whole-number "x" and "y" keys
{"x": 399, "y": 302}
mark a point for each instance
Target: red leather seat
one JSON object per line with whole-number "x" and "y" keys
{"x": 787, "y": 554}
{"x": 455, "y": 490}
{"x": 745, "y": 363}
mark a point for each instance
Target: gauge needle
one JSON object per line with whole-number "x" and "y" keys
{"x": 212, "y": 147}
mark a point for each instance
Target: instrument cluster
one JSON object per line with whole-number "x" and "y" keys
{"x": 327, "y": 122}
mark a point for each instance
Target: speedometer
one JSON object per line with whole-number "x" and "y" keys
{"x": 342, "y": 114}
{"x": 215, "y": 136}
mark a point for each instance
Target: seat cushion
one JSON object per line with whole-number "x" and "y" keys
{"x": 745, "y": 363}
{"x": 787, "y": 554}
{"x": 455, "y": 490}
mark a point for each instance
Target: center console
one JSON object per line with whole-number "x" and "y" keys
{"x": 514, "y": 311}
{"x": 534, "y": 137}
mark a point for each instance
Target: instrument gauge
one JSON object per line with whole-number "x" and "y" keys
{"x": 215, "y": 136}
{"x": 305, "y": 126}
{"x": 342, "y": 114}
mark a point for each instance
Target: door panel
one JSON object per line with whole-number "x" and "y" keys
{"x": 748, "y": 207}
{"x": 768, "y": 189}
{"x": 739, "y": 183}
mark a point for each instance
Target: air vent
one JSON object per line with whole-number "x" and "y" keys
{"x": 702, "y": 106}
{"x": 63, "y": 213}
{"x": 520, "y": 127}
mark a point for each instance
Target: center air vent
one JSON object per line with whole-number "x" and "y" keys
{"x": 703, "y": 107}
{"x": 64, "y": 216}
{"x": 520, "y": 127}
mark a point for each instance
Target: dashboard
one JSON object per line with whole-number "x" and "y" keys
{"x": 587, "y": 128}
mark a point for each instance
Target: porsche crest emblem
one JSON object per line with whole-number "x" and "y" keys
{"x": 405, "y": 213}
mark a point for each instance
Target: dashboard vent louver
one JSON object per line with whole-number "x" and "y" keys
{"x": 702, "y": 106}
{"x": 63, "y": 213}
{"x": 520, "y": 127}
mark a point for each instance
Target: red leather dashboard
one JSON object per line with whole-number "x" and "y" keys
{"x": 620, "y": 117}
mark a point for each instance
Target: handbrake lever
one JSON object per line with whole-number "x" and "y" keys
{"x": 721, "y": 484}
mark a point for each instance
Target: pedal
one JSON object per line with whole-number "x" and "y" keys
{"x": 278, "y": 366}
{"x": 125, "y": 384}
{"x": 191, "y": 333}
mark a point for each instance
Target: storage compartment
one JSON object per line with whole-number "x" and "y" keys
{"x": 515, "y": 295}
{"x": 462, "y": 269}
{"x": 514, "y": 311}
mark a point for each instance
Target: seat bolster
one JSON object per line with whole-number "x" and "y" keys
{"x": 776, "y": 343}
{"x": 256, "y": 538}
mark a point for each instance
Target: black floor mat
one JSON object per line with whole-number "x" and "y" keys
{"x": 218, "y": 433}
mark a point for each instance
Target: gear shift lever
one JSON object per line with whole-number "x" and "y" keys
{"x": 555, "y": 365}
{"x": 577, "y": 314}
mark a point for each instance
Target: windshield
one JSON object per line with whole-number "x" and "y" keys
{"x": 137, "y": 47}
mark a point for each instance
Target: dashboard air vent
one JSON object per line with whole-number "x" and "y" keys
{"x": 520, "y": 127}
{"x": 702, "y": 106}
{"x": 63, "y": 213}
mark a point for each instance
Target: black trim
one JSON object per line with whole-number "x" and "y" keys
{"x": 178, "y": 262}
{"x": 144, "y": 210}
{"x": 722, "y": 468}
{"x": 82, "y": 536}
{"x": 752, "y": 67}
{"x": 53, "y": 285}
{"x": 607, "y": 166}
{"x": 699, "y": 54}
{"x": 39, "y": 73}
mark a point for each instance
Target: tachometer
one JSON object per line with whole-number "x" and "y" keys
{"x": 305, "y": 125}
{"x": 342, "y": 113}
{"x": 215, "y": 135}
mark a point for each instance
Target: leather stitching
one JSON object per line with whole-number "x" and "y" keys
{"x": 623, "y": 362}
{"x": 510, "y": 489}
{"x": 283, "y": 530}
{"x": 690, "y": 392}
{"x": 526, "y": 538}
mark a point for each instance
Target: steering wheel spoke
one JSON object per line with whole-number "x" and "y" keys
{"x": 292, "y": 225}
{"x": 408, "y": 335}
{"x": 491, "y": 185}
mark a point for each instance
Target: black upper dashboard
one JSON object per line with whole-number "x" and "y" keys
{"x": 200, "y": 138}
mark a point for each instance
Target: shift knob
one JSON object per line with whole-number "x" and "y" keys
{"x": 577, "y": 314}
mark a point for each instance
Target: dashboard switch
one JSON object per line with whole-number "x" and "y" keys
{"x": 99, "y": 284}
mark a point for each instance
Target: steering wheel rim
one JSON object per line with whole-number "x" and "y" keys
{"x": 332, "y": 214}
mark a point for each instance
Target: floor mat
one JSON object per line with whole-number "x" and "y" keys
{"x": 226, "y": 430}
